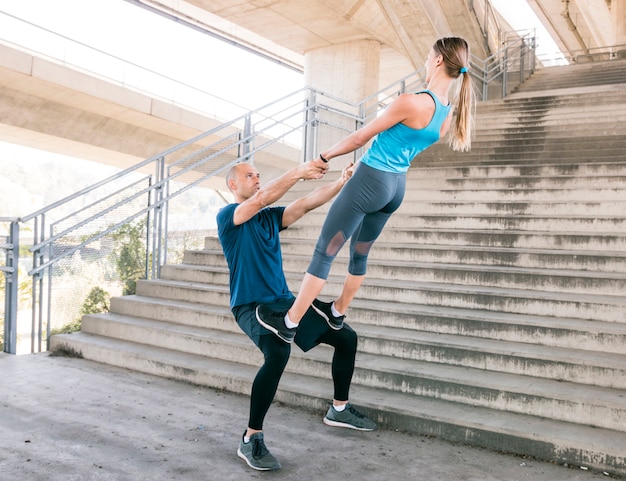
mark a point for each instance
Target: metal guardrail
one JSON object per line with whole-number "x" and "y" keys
{"x": 9, "y": 245}
{"x": 64, "y": 233}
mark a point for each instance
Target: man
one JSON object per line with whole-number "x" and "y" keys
{"x": 249, "y": 233}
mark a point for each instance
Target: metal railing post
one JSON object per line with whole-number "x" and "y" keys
{"x": 247, "y": 135}
{"x": 522, "y": 55}
{"x": 505, "y": 71}
{"x": 485, "y": 84}
{"x": 159, "y": 255}
{"x": 39, "y": 226}
{"x": 11, "y": 283}
{"x": 151, "y": 230}
{"x": 310, "y": 127}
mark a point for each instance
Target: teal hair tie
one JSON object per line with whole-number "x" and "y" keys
{"x": 463, "y": 70}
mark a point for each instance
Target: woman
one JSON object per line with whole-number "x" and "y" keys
{"x": 410, "y": 124}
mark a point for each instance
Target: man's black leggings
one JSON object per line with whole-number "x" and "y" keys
{"x": 276, "y": 353}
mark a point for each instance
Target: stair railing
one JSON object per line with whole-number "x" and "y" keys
{"x": 142, "y": 194}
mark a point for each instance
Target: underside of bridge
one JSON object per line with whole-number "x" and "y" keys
{"x": 349, "y": 48}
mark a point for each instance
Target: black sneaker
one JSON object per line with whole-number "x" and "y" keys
{"x": 349, "y": 418}
{"x": 256, "y": 454}
{"x": 275, "y": 322}
{"x": 324, "y": 310}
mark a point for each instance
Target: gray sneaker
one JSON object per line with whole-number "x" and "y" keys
{"x": 256, "y": 454}
{"x": 349, "y": 418}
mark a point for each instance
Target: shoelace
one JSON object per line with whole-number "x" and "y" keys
{"x": 258, "y": 448}
{"x": 355, "y": 412}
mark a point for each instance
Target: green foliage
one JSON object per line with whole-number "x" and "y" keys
{"x": 130, "y": 255}
{"x": 97, "y": 301}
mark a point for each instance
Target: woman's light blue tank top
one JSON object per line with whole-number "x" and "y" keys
{"x": 394, "y": 149}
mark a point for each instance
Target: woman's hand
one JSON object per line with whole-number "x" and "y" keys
{"x": 347, "y": 172}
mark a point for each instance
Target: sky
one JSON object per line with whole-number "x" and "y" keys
{"x": 245, "y": 81}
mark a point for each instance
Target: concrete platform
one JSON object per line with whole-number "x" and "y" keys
{"x": 71, "y": 419}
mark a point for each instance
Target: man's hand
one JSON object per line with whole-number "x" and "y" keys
{"x": 313, "y": 169}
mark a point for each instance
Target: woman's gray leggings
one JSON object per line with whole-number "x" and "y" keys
{"x": 359, "y": 213}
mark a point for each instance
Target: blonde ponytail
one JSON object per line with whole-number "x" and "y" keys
{"x": 456, "y": 57}
{"x": 461, "y": 138}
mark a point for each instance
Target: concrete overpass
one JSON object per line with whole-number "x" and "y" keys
{"x": 350, "y": 48}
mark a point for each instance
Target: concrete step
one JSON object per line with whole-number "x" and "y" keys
{"x": 572, "y": 99}
{"x": 558, "y": 332}
{"x": 559, "y": 121}
{"x": 613, "y": 181}
{"x": 392, "y": 253}
{"x": 433, "y": 157}
{"x": 566, "y": 147}
{"x": 587, "y": 223}
{"x": 570, "y": 145}
{"x": 513, "y": 170}
{"x": 521, "y": 433}
{"x": 595, "y": 241}
{"x": 561, "y": 209}
{"x": 560, "y": 194}
{"x": 548, "y": 280}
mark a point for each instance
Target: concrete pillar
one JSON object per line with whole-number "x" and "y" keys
{"x": 618, "y": 12}
{"x": 348, "y": 71}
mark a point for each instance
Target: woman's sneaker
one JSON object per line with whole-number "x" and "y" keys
{"x": 349, "y": 418}
{"x": 275, "y": 322}
{"x": 324, "y": 309}
{"x": 256, "y": 454}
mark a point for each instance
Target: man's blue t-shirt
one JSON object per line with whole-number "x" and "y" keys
{"x": 254, "y": 257}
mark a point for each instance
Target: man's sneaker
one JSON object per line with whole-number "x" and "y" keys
{"x": 324, "y": 310}
{"x": 275, "y": 322}
{"x": 256, "y": 454}
{"x": 349, "y": 418}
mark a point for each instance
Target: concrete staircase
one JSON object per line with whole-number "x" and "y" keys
{"x": 494, "y": 310}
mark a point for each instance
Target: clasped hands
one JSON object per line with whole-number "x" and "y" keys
{"x": 315, "y": 169}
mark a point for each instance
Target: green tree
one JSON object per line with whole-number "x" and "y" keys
{"x": 130, "y": 255}
{"x": 97, "y": 301}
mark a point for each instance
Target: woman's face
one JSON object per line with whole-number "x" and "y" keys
{"x": 432, "y": 61}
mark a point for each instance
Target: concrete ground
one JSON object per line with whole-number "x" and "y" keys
{"x": 68, "y": 419}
